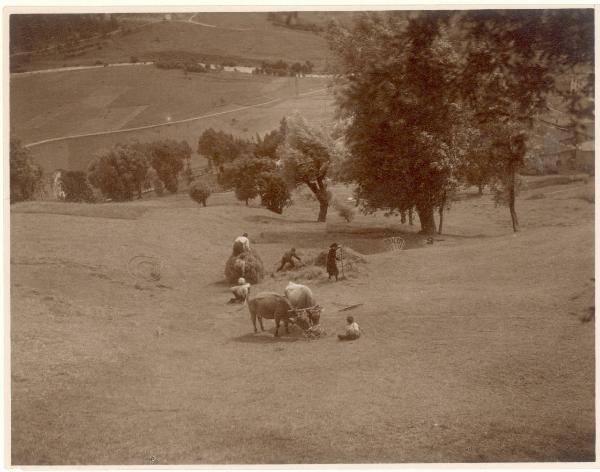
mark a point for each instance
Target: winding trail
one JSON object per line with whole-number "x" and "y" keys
{"x": 167, "y": 123}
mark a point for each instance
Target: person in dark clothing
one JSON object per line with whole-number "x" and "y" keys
{"x": 332, "y": 268}
{"x": 288, "y": 258}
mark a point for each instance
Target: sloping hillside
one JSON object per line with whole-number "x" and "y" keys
{"x": 473, "y": 349}
{"x": 247, "y": 39}
{"x": 123, "y": 104}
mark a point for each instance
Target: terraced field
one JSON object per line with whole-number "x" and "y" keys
{"x": 65, "y": 104}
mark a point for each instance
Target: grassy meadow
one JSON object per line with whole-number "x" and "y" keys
{"x": 60, "y": 104}
{"x": 475, "y": 348}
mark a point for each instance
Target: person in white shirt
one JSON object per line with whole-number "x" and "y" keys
{"x": 240, "y": 291}
{"x": 244, "y": 241}
{"x": 352, "y": 330}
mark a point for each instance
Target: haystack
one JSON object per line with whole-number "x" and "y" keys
{"x": 253, "y": 269}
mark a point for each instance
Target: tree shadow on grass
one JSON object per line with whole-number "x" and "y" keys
{"x": 272, "y": 219}
{"x": 268, "y": 337}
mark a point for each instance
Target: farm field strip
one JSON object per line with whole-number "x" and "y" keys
{"x": 169, "y": 123}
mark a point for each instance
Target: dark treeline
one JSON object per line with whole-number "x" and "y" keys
{"x": 283, "y": 69}
{"x": 34, "y": 32}
{"x": 291, "y": 19}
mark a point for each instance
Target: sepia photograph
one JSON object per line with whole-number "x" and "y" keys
{"x": 298, "y": 236}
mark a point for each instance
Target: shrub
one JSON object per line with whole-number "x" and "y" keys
{"x": 133, "y": 59}
{"x": 254, "y": 270}
{"x": 119, "y": 173}
{"x": 199, "y": 192}
{"x": 274, "y": 192}
{"x": 76, "y": 187}
{"x": 25, "y": 176}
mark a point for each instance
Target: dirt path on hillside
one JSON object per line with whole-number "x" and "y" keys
{"x": 171, "y": 123}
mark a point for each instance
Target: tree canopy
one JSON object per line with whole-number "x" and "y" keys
{"x": 307, "y": 156}
{"x": 422, "y": 90}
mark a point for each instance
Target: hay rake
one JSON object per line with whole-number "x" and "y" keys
{"x": 147, "y": 268}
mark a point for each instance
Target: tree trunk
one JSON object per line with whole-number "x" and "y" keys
{"x": 480, "y": 189}
{"x": 441, "y": 212}
{"x": 427, "y": 220}
{"x": 410, "y": 216}
{"x": 320, "y": 191}
{"x": 323, "y": 207}
{"x": 246, "y": 202}
{"x": 511, "y": 198}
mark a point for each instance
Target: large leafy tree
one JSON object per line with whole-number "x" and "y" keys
{"x": 515, "y": 61}
{"x": 414, "y": 82}
{"x": 307, "y": 156}
{"x": 243, "y": 175}
{"x": 219, "y": 147}
{"x": 119, "y": 173}
{"x": 168, "y": 158}
{"x": 397, "y": 93}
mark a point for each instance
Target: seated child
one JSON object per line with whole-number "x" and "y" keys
{"x": 352, "y": 330}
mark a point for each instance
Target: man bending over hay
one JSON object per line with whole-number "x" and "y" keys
{"x": 288, "y": 258}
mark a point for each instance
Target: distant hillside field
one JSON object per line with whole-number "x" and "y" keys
{"x": 65, "y": 104}
{"x": 244, "y": 39}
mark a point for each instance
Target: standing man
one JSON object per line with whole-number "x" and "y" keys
{"x": 288, "y": 258}
{"x": 332, "y": 268}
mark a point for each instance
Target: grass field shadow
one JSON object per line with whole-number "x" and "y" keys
{"x": 268, "y": 337}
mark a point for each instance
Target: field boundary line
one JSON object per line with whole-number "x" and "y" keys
{"x": 168, "y": 123}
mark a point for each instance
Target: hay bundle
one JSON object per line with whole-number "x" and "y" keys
{"x": 244, "y": 264}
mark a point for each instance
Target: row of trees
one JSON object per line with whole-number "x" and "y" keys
{"x": 432, "y": 100}
{"x": 248, "y": 167}
{"x": 122, "y": 172}
{"x": 294, "y": 154}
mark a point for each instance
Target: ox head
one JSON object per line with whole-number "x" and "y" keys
{"x": 306, "y": 317}
{"x": 314, "y": 314}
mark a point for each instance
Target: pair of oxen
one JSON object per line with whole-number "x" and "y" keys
{"x": 298, "y": 307}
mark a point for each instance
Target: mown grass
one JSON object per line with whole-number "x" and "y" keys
{"x": 472, "y": 350}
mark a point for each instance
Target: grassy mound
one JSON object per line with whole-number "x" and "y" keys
{"x": 253, "y": 271}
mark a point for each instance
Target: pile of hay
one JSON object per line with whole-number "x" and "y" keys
{"x": 254, "y": 270}
{"x": 315, "y": 332}
{"x": 351, "y": 257}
